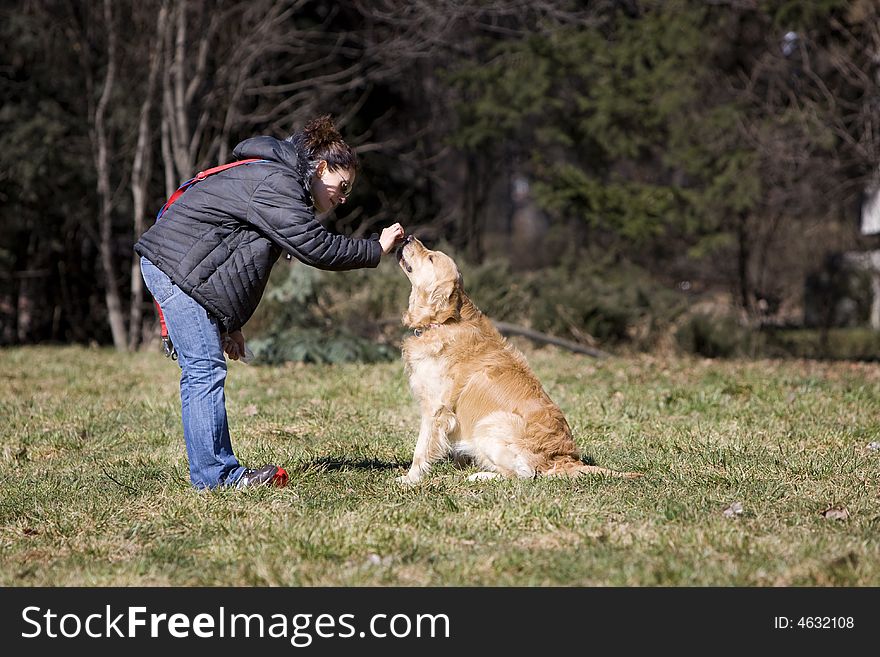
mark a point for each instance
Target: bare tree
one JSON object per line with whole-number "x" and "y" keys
{"x": 275, "y": 74}
{"x": 102, "y": 147}
{"x": 413, "y": 40}
{"x": 140, "y": 176}
{"x": 810, "y": 104}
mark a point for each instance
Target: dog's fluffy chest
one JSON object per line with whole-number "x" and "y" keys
{"x": 428, "y": 375}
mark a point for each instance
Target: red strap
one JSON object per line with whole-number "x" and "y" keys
{"x": 201, "y": 175}
{"x": 161, "y": 320}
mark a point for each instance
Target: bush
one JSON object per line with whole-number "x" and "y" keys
{"x": 715, "y": 336}
{"x": 310, "y": 345}
{"x": 313, "y": 316}
{"x": 585, "y": 301}
{"x": 310, "y": 315}
{"x": 834, "y": 344}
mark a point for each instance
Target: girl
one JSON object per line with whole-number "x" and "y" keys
{"x": 207, "y": 261}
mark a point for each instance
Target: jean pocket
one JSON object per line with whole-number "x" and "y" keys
{"x": 158, "y": 283}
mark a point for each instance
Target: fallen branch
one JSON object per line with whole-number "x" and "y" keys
{"x": 512, "y": 329}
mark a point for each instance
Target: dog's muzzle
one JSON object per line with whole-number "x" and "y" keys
{"x": 400, "y": 259}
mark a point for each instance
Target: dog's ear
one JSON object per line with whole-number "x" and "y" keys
{"x": 445, "y": 300}
{"x": 435, "y": 306}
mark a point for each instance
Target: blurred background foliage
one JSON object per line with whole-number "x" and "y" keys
{"x": 630, "y": 174}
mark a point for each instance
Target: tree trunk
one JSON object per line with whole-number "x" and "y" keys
{"x": 742, "y": 262}
{"x": 140, "y": 176}
{"x": 105, "y": 214}
{"x": 176, "y": 140}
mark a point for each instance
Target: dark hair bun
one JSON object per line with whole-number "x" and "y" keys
{"x": 320, "y": 140}
{"x": 320, "y": 134}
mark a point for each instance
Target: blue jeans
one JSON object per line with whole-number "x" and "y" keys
{"x": 196, "y": 337}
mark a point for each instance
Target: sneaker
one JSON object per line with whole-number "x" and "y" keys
{"x": 268, "y": 474}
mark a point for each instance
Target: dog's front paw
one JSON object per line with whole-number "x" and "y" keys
{"x": 408, "y": 480}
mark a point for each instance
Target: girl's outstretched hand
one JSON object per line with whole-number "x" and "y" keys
{"x": 391, "y": 236}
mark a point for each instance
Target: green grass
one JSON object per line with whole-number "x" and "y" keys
{"x": 95, "y": 491}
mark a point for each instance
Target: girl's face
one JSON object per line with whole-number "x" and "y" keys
{"x": 330, "y": 188}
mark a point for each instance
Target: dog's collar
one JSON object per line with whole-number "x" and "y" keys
{"x": 418, "y": 331}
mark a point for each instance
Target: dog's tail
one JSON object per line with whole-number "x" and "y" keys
{"x": 570, "y": 467}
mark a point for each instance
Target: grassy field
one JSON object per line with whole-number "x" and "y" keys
{"x": 95, "y": 492}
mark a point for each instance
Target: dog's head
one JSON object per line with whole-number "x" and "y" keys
{"x": 436, "y": 295}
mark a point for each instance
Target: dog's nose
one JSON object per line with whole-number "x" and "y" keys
{"x": 407, "y": 239}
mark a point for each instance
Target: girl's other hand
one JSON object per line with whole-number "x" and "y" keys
{"x": 233, "y": 345}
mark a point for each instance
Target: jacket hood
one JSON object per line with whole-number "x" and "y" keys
{"x": 275, "y": 150}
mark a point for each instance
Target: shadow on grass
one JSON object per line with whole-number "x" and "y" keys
{"x": 325, "y": 463}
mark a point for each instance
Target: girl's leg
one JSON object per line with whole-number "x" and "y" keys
{"x": 196, "y": 339}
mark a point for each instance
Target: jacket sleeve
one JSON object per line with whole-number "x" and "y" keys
{"x": 285, "y": 218}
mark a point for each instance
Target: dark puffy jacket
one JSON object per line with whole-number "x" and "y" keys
{"x": 220, "y": 239}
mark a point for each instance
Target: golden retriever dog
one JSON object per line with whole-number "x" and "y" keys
{"x": 480, "y": 402}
